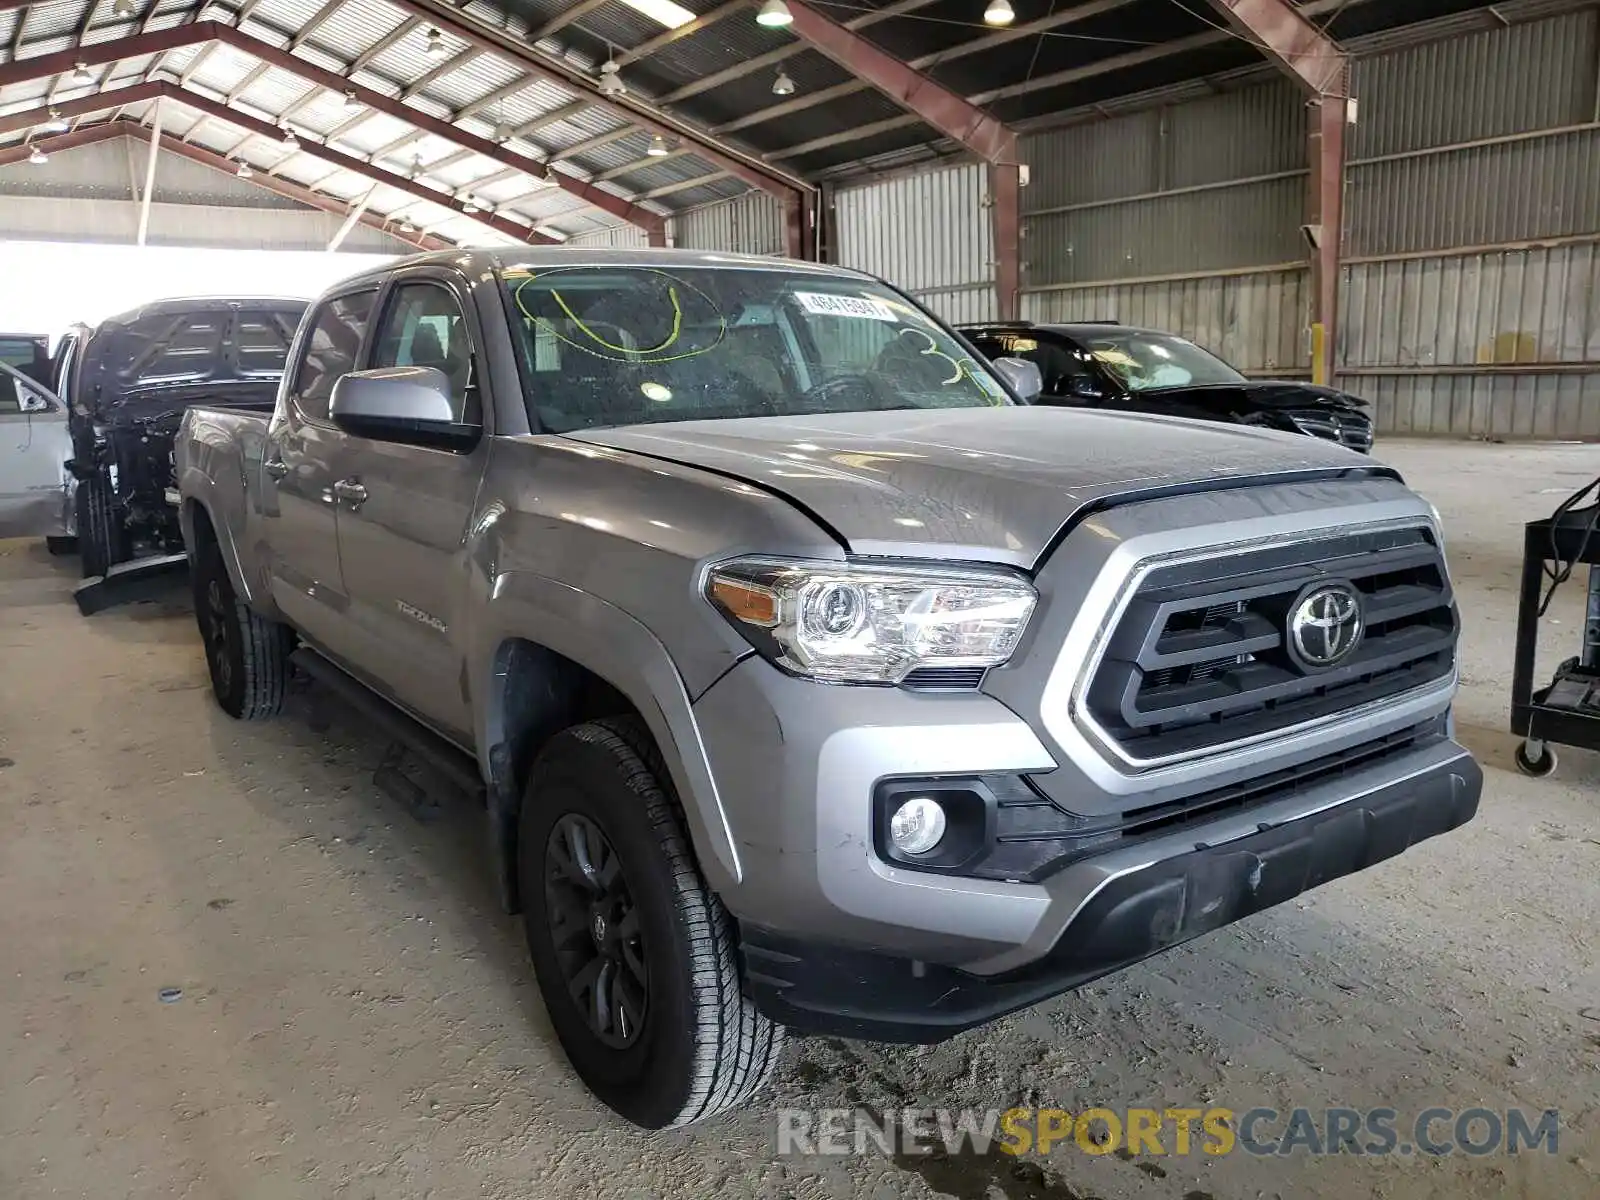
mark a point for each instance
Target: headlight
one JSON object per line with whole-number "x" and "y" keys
{"x": 850, "y": 623}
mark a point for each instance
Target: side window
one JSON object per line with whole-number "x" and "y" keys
{"x": 422, "y": 327}
{"x": 331, "y": 349}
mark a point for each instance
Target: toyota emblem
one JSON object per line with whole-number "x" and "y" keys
{"x": 1325, "y": 625}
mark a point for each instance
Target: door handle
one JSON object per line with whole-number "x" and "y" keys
{"x": 350, "y": 492}
{"x": 275, "y": 467}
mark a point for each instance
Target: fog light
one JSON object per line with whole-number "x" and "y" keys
{"x": 917, "y": 826}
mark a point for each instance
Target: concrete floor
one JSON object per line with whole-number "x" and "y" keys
{"x": 357, "y": 1019}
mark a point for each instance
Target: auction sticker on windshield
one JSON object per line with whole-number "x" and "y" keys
{"x": 828, "y": 304}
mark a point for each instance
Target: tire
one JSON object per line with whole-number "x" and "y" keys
{"x": 248, "y": 655}
{"x": 99, "y": 539}
{"x": 1535, "y": 765}
{"x": 700, "y": 1046}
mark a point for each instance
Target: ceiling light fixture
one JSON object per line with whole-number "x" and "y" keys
{"x": 469, "y": 206}
{"x": 999, "y": 12}
{"x": 289, "y": 139}
{"x": 37, "y": 156}
{"x": 56, "y": 123}
{"x": 662, "y": 12}
{"x": 351, "y": 101}
{"x": 407, "y": 227}
{"x": 436, "y": 46}
{"x": 124, "y": 8}
{"x": 244, "y": 171}
{"x": 658, "y": 147}
{"x": 80, "y": 72}
{"x": 774, "y": 14}
{"x": 610, "y": 81}
{"x": 783, "y": 85}
{"x": 503, "y": 132}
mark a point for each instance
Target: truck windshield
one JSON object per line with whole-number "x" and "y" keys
{"x": 628, "y": 345}
{"x": 1145, "y": 362}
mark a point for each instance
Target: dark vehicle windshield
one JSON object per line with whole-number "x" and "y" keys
{"x": 1147, "y": 362}
{"x": 629, "y": 345}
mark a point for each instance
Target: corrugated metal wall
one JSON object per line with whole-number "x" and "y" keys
{"x": 1502, "y": 343}
{"x": 1483, "y": 144}
{"x": 929, "y": 234}
{"x": 1256, "y": 320}
{"x": 747, "y": 224}
{"x": 1172, "y": 190}
{"x": 612, "y": 237}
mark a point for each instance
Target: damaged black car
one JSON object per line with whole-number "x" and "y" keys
{"x": 1106, "y": 365}
{"x": 127, "y": 383}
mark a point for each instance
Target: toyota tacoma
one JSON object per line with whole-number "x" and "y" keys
{"x": 809, "y": 679}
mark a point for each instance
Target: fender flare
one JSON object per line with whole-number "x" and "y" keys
{"x": 603, "y": 639}
{"x": 199, "y": 490}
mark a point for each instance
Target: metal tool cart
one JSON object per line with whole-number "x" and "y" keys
{"x": 1566, "y": 711}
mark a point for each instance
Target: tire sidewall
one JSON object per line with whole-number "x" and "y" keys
{"x": 649, "y": 1081}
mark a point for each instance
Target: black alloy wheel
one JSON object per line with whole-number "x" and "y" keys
{"x": 595, "y": 930}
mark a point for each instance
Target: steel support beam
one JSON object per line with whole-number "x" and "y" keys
{"x": 54, "y": 143}
{"x": 954, "y": 116}
{"x": 100, "y": 53}
{"x": 355, "y": 166}
{"x": 350, "y": 222}
{"x": 1315, "y": 61}
{"x": 83, "y": 107}
{"x": 150, "y": 173}
{"x": 752, "y": 170}
{"x": 989, "y": 41}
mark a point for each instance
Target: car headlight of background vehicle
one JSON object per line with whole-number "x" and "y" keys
{"x": 843, "y": 622}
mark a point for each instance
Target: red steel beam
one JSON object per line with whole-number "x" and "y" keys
{"x": 100, "y": 53}
{"x": 109, "y": 130}
{"x": 952, "y": 115}
{"x": 55, "y": 142}
{"x": 1320, "y": 66}
{"x": 87, "y": 106}
{"x": 294, "y": 191}
{"x": 507, "y": 46}
{"x": 1284, "y": 35}
{"x": 355, "y": 166}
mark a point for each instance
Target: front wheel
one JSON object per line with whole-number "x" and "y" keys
{"x": 635, "y": 956}
{"x": 99, "y": 536}
{"x": 248, "y": 655}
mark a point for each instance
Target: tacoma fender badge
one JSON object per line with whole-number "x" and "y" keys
{"x": 416, "y": 614}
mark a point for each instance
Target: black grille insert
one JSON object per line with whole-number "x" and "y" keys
{"x": 1200, "y": 660}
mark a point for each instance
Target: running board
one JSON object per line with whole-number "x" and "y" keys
{"x": 457, "y": 767}
{"x": 138, "y": 579}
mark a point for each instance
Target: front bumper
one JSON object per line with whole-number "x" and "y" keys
{"x": 1130, "y": 911}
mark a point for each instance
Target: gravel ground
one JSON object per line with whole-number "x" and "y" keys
{"x": 356, "y": 1018}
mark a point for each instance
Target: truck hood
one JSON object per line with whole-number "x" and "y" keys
{"x": 990, "y": 485}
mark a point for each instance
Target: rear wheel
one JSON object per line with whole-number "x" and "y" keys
{"x": 248, "y": 655}
{"x": 636, "y": 957}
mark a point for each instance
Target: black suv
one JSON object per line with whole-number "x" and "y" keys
{"x": 1106, "y": 365}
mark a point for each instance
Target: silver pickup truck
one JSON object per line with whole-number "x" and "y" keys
{"x": 807, "y": 678}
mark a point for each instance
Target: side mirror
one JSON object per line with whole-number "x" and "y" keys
{"x": 410, "y": 405}
{"x": 1022, "y": 375}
